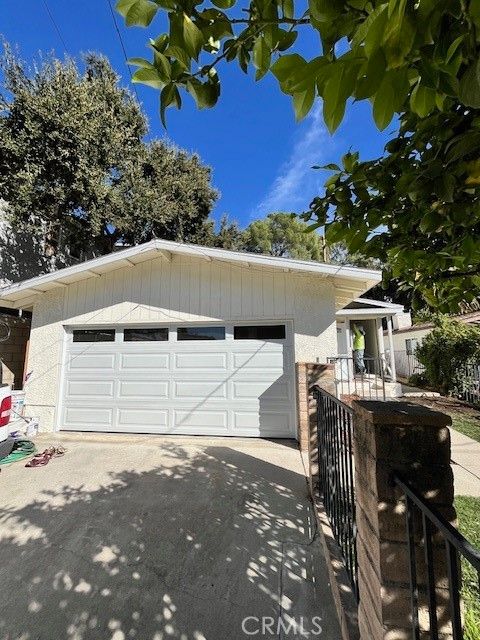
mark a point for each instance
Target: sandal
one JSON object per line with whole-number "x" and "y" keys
{"x": 41, "y": 459}
{"x": 59, "y": 451}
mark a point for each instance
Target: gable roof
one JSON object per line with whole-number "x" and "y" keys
{"x": 351, "y": 281}
{"x": 465, "y": 318}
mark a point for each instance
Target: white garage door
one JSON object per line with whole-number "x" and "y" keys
{"x": 196, "y": 379}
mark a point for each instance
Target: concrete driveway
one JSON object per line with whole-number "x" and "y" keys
{"x": 157, "y": 538}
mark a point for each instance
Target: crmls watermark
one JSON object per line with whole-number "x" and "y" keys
{"x": 268, "y": 626}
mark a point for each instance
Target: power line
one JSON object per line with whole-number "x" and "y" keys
{"x": 55, "y": 25}
{"x": 122, "y": 44}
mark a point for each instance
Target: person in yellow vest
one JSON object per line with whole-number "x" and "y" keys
{"x": 359, "y": 348}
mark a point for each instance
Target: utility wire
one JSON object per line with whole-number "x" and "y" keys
{"x": 122, "y": 44}
{"x": 55, "y": 25}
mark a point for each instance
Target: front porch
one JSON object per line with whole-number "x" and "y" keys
{"x": 379, "y": 379}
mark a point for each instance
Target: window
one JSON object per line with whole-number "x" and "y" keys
{"x": 201, "y": 333}
{"x": 260, "y": 332}
{"x": 411, "y": 345}
{"x": 159, "y": 334}
{"x": 94, "y": 335}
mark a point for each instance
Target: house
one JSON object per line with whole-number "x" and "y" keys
{"x": 380, "y": 380}
{"x": 174, "y": 338}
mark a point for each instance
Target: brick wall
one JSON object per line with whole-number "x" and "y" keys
{"x": 12, "y": 351}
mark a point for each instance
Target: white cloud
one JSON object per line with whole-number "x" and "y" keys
{"x": 297, "y": 183}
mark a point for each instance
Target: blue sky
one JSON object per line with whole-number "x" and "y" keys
{"x": 261, "y": 159}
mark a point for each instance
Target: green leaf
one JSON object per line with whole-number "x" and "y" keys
{"x": 286, "y": 66}
{"x": 141, "y": 62}
{"x": 224, "y": 4}
{"x": 469, "y": 90}
{"x": 331, "y": 166}
{"x": 303, "y": 102}
{"x": 422, "y": 100}
{"x": 193, "y": 37}
{"x": 324, "y": 10}
{"x": 369, "y": 82}
{"x": 205, "y": 95}
{"x": 452, "y": 49}
{"x": 261, "y": 57}
{"x": 162, "y": 65}
{"x": 384, "y": 103}
{"x": 287, "y": 39}
{"x": 149, "y": 77}
{"x": 137, "y": 12}
{"x": 338, "y": 88}
{"x": 349, "y": 161}
{"x": 167, "y": 97}
{"x": 160, "y": 43}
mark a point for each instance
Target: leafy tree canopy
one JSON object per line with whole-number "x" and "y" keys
{"x": 417, "y": 207}
{"x": 75, "y": 169}
{"x": 283, "y": 235}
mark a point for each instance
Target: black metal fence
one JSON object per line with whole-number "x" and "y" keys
{"x": 336, "y": 474}
{"x": 435, "y": 527}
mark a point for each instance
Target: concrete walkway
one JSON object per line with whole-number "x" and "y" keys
{"x": 139, "y": 538}
{"x": 465, "y": 464}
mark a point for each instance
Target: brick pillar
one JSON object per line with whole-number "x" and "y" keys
{"x": 310, "y": 374}
{"x": 414, "y": 441}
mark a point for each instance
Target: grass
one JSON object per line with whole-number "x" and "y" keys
{"x": 468, "y": 424}
{"x": 468, "y": 513}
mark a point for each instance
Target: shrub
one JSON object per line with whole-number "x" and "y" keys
{"x": 418, "y": 380}
{"x": 446, "y": 350}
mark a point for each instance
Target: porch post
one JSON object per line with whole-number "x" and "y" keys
{"x": 380, "y": 340}
{"x": 393, "y": 368}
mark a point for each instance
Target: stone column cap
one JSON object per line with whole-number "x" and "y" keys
{"x": 401, "y": 413}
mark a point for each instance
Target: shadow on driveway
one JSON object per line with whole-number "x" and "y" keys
{"x": 159, "y": 541}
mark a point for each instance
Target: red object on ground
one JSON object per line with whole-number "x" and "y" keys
{"x": 5, "y": 410}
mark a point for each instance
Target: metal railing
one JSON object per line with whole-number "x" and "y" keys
{"x": 369, "y": 384}
{"x": 470, "y": 389}
{"x": 336, "y": 474}
{"x": 434, "y": 527}
{"x": 407, "y": 364}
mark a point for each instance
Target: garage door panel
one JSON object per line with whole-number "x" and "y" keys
{"x": 201, "y": 419}
{"x": 144, "y": 361}
{"x": 87, "y": 417}
{"x": 200, "y": 389}
{"x": 258, "y": 388}
{"x": 205, "y": 360}
{"x": 139, "y": 419}
{"x": 218, "y": 387}
{"x": 274, "y": 421}
{"x": 104, "y": 362}
{"x": 144, "y": 389}
{"x": 89, "y": 388}
{"x": 258, "y": 360}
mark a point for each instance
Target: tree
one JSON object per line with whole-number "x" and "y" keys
{"x": 283, "y": 235}
{"x": 75, "y": 170}
{"x": 446, "y": 350}
{"x": 229, "y": 235}
{"x": 417, "y": 208}
{"x": 420, "y": 60}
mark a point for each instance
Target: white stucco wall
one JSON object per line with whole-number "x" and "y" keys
{"x": 183, "y": 290}
{"x": 400, "y": 338}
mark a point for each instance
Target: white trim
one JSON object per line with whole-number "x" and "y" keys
{"x": 362, "y": 279}
{"x": 365, "y": 313}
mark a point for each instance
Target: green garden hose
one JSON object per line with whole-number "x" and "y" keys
{"x": 21, "y": 449}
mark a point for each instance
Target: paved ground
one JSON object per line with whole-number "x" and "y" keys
{"x": 465, "y": 464}
{"x": 157, "y": 538}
